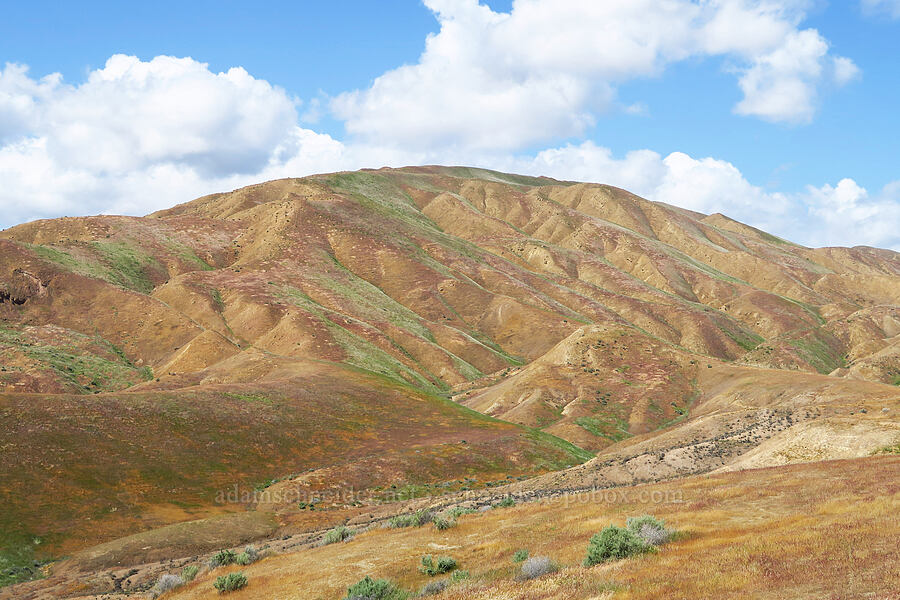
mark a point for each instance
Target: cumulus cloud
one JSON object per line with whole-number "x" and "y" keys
{"x": 888, "y": 7}
{"x": 847, "y": 212}
{"x": 138, "y": 135}
{"x": 20, "y": 97}
{"x": 544, "y": 70}
{"x": 132, "y": 114}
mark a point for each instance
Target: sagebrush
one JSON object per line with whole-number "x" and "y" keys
{"x": 222, "y": 558}
{"x": 535, "y": 567}
{"x": 231, "y": 582}
{"x": 613, "y": 543}
{"x": 374, "y": 589}
{"x": 338, "y": 534}
{"x": 443, "y": 564}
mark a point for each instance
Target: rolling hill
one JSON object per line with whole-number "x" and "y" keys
{"x": 354, "y": 341}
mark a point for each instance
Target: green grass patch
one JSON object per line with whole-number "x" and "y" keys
{"x": 89, "y": 364}
{"x": 572, "y": 454}
{"x": 118, "y": 263}
{"x": 380, "y": 194}
{"x": 128, "y": 266}
{"x": 186, "y": 254}
{"x": 816, "y": 351}
{"x": 258, "y": 398}
{"x": 360, "y": 352}
{"x": 743, "y": 338}
{"x": 892, "y": 449}
{"x": 610, "y": 427}
{"x": 19, "y": 557}
{"x": 371, "y": 302}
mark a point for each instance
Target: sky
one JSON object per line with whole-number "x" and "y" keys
{"x": 780, "y": 114}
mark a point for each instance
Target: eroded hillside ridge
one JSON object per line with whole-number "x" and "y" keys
{"x": 314, "y": 331}
{"x": 436, "y": 277}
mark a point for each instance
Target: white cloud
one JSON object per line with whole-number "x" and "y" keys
{"x": 546, "y": 69}
{"x": 889, "y": 7}
{"x": 845, "y": 70}
{"x": 780, "y": 86}
{"x": 19, "y": 99}
{"x": 848, "y": 213}
{"x": 137, "y": 136}
{"x": 132, "y": 114}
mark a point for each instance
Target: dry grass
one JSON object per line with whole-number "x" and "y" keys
{"x": 821, "y": 530}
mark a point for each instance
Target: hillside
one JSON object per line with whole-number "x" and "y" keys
{"x": 765, "y": 533}
{"x": 382, "y": 335}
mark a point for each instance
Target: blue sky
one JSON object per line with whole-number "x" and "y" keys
{"x": 817, "y": 134}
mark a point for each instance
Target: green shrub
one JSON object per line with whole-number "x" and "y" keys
{"x": 248, "y": 556}
{"x": 458, "y": 511}
{"x": 416, "y": 519}
{"x": 222, "y": 558}
{"x": 444, "y": 564}
{"x": 505, "y": 503}
{"x": 189, "y": 572}
{"x": 520, "y": 556}
{"x": 612, "y": 543}
{"x": 230, "y": 582}
{"x": 338, "y": 534}
{"x": 458, "y": 575}
{"x": 374, "y": 589}
{"x": 440, "y": 523}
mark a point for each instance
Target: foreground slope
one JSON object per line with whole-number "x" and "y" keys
{"x": 311, "y": 331}
{"x": 824, "y": 529}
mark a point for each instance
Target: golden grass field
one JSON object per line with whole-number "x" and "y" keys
{"x": 818, "y": 530}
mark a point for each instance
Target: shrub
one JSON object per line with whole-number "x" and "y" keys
{"x": 505, "y": 503}
{"x": 520, "y": 556}
{"x": 654, "y": 536}
{"x": 416, "y": 519}
{"x": 222, "y": 558}
{"x": 338, "y": 534}
{"x": 374, "y": 589}
{"x": 189, "y": 572}
{"x": 167, "y": 583}
{"x": 458, "y": 575}
{"x": 434, "y": 587}
{"x": 230, "y": 582}
{"x": 612, "y": 543}
{"x": 440, "y": 523}
{"x": 650, "y": 529}
{"x": 444, "y": 564}
{"x": 635, "y": 523}
{"x": 458, "y": 511}
{"x": 535, "y": 567}
{"x": 248, "y": 556}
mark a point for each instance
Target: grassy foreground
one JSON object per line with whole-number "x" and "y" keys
{"x": 818, "y": 530}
